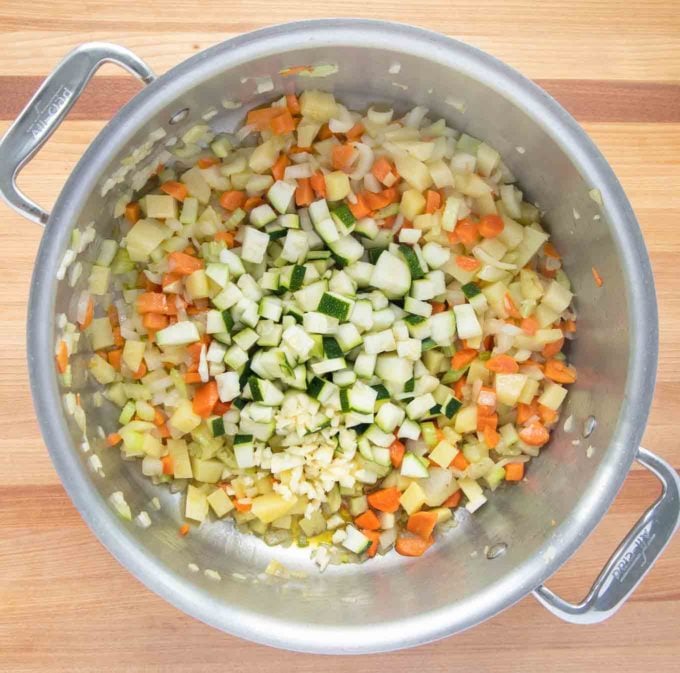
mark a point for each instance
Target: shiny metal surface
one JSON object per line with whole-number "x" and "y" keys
{"x": 633, "y": 558}
{"x": 392, "y": 602}
{"x": 48, "y": 108}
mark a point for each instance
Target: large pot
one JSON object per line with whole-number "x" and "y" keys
{"x": 525, "y": 533}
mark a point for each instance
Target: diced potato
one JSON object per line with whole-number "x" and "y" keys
{"x": 337, "y": 186}
{"x": 196, "y": 185}
{"x": 285, "y": 522}
{"x": 102, "y": 371}
{"x": 208, "y": 471}
{"x": 509, "y": 387}
{"x": 144, "y": 238}
{"x": 413, "y": 498}
{"x": 487, "y": 159}
{"x": 546, "y": 316}
{"x": 557, "y": 297}
{"x": 306, "y": 132}
{"x": 189, "y": 210}
{"x": 265, "y": 155}
{"x": 532, "y": 240}
{"x": 100, "y": 333}
{"x": 196, "y": 504}
{"x": 485, "y": 205}
{"x": 152, "y": 446}
{"x": 412, "y": 204}
{"x": 133, "y": 352}
{"x": 208, "y": 223}
{"x": 528, "y": 391}
{"x": 444, "y": 514}
{"x": 315, "y": 525}
{"x": 271, "y": 506}
{"x": 441, "y": 174}
{"x": 264, "y": 485}
{"x": 512, "y": 233}
{"x": 177, "y": 448}
{"x": 415, "y": 172}
{"x": 184, "y": 419}
{"x": 495, "y": 295}
{"x": 319, "y": 106}
{"x": 100, "y": 277}
{"x": 509, "y": 434}
{"x": 471, "y": 184}
{"x": 548, "y": 336}
{"x": 478, "y": 372}
{"x": 530, "y": 285}
{"x": 552, "y": 396}
{"x": 197, "y": 285}
{"x": 466, "y": 420}
{"x": 143, "y": 409}
{"x": 161, "y": 206}
{"x": 473, "y": 492}
{"x": 220, "y": 502}
{"x": 443, "y": 453}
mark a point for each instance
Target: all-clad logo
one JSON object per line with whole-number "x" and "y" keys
{"x": 637, "y": 550}
{"x": 47, "y": 114}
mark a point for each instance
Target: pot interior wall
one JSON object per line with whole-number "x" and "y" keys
{"x": 525, "y": 517}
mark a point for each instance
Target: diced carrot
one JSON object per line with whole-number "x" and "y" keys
{"x": 325, "y": 132}
{"x": 163, "y": 431}
{"x": 552, "y": 349}
{"x": 502, "y": 364}
{"x": 262, "y": 117}
{"x": 355, "y": 132}
{"x": 462, "y": 358}
{"x": 392, "y": 194}
{"x": 243, "y": 506}
{"x": 467, "y": 231}
{"x": 467, "y": 263}
{"x": 529, "y": 325}
{"x": 491, "y": 437}
{"x": 175, "y": 189}
{"x": 360, "y": 208}
{"x": 397, "y": 451}
{"x": 141, "y": 371}
{"x": 569, "y": 326}
{"x": 295, "y": 70}
{"x": 252, "y": 202}
{"x": 381, "y": 169}
{"x": 133, "y": 212}
{"x": 597, "y": 278}
{"x": 112, "y": 313}
{"x": 233, "y": 199}
{"x": 453, "y": 500}
{"x": 511, "y": 307}
{"x": 280, "y": 166}
{"x": 192, "y": 377}
{"x": 114, "y": 357}
{"x": 118, "y": 340}
{"x": 385, "y": 500}
{"x": 169, "y": 279}
{"x": 412, "y": 546}
{"x": 158, "y": 418}
{"x": 374, "y": 537}
{"x": 556, "y": 370}
{"x": 376, "y": 201}
{"x": 221, "y": 408}
{"x": 89, "y": 314}
{"x": 514, "y": 472}
{"x": 207, "y": 162}
{"x": 293, "y": 104}
{"x": 168, "y": 464}
{"x": 113, "y": 439}
{"x": 438, "y": 307}
{"x": 183, "y": 264}
{"x": 485, "y": 419}
{"x": 551, "y": 251}
{"x": 433, "y": 201}
{"x": 460, "y": 462}
{"x": 368, "y": 520}
{"x": 547, "y": 414}
{"x": 318, "y": 182}
{"x": 229, "y": 237}
{"x": 534, "y": 434}
{"x": 422, "y": 524}
{"x": 491, "y": 226}
{"x": 304, "y": 194}
{"x": 146, "y": 283}
{"x": 283, "y": 123}
{"x": 458, "y": 387}
{"x": 152, "y": 302}
{"x": 204, "y": 399}
{"x": 526, "y": 411}
{"x": 453, "y": 237}
{"x": 155, "y": 321}
{"x": 184, "y": 529}
{"x": 342, "y": 156}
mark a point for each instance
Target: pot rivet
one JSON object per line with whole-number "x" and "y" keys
{"x": 589, "y": 426}
{"x": 496, "y": 550}
{"x": 179, "y": 116}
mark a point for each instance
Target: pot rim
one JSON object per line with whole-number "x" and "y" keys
{"x": 594, "y": 502}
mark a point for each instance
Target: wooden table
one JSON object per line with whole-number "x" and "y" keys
{"x": 65, "y": 604}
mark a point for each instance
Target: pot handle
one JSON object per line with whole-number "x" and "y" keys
{"x": 47, "y": 109}
{"x": 633, "y": 558}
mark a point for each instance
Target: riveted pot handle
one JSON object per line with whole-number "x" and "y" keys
{"x": 47, "y": 109}
{"x": 634, "y": 557}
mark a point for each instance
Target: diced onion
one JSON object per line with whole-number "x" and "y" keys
{"x": 297, "y": 172}
{"x": 364, "y": 161}
{"x": 378, "y": 116}
{"x": 486, "y": 258}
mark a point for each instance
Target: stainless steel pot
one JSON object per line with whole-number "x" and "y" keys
{"x": 466, "y": 578}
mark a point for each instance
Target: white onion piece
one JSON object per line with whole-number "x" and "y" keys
{"x": 476, "y": 387}
{"x": 371, "y": 183}
{"x": 160, "y": 384}
{"x": 511, "y": 330}
{"x": 486, "y": 258}
{"x": 156, "y": 278}
{"x": 503, "y": 343}
{"x": 364, "y": 161}
{"x": 513, "y": 459}
{"x": 378, "y": 116}
{"x": 297, "y": 172}
{"x": 552, "y": 264}
{"x": 151, "y": 467}
{"x": 522, "y": 355}
{"x": 343, "y": 122}
{"x": 81, "y": 309}
{"x": 244, "y": 132}
{"x": 415, "y": 117}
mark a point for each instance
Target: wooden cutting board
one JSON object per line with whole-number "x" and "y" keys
{"x": 65, "y": 604}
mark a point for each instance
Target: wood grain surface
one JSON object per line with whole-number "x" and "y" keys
{"x": 65, "y": 604}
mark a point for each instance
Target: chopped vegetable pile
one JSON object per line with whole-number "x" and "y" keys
{"x": 335, "y": 328}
